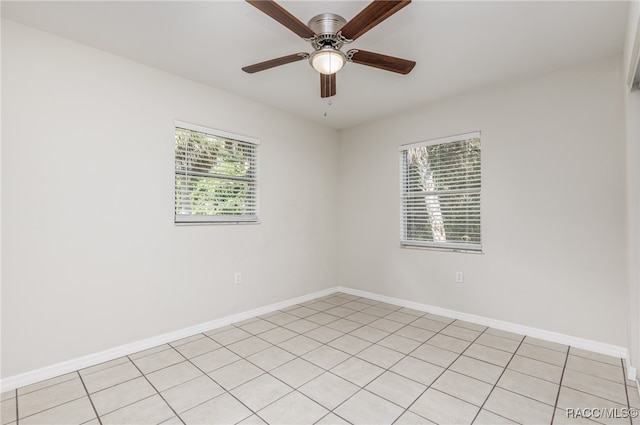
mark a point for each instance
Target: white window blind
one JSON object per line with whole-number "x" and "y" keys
{"x": 440, "y": 193}
{"x": 215, "y": 176}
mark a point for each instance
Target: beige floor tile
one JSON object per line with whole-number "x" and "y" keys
{"x": 439, "y": 318}
{"x": 562, "y": 417}
{"x": 101, "y": 366}
{"x": 634, "y": 397}
{"x": 277, "y": 335}
{"x": 412, "y": 311}
{"x": 215, "y": 359}
{"x": 370, "y": 334}
{"x": 614, "y": 361}
{"x": 281, "y": 318}
{"x": 357, "y": 371}
{"x": 324, "y": 334}
{"x": 322, "y": 318}
{"x": 183, "y": 341}
{"x": 528, "y": 386}
{"x": 223, "y": 409}
{"x": 261, "y": 391}
{"x": 386, "y": 325}
{"x": 149, "y": 351}
{"x": 488, "y": 418}
{"x": 377, "y": 311}
{"x": 357, "y": 305}
{"x": 429, "y": 324}
{"x": 504, "y": 334}
{"x": 252, "y": 420}
{"x": 340, "y": 311}
{"x": 235, "y": 374}
{"x": 332, "y": 419}
{"x": 417, "y": 370}
{"x": 301, "y": 326}
{"x": 518, "y": 408}
{"x": 192, "y": 393}
{"x": 380, "y": 356}
{"x": 463, "y": 387}
{"x": 114, "y": 375}
{"x": 171, "y": 421}
{"x": 299, "y": 345}
{"x": 410, "y": 418}
{"x": 415, "y": 333}
{"x": 598, "y": 387}
{"x": 469, "y": 325}
{"x": 302, "y": 312}
{"x": 435, "y": 355}
{"x": 349, "y": 344}
{"x": 398, "y": 316}
{"x": 367, "y": 408}
{"x": 113, "y": 398}
{"x": 171, "y": 376}
{"x": 320, "y": 306}
{"x": 218, "y": 330}
{"x": 257, "y": 327}
{"x": 543, "y": 354}
{"x": 477, "y": 369}
{"x": 49, "y": 382}
{"x": 449, "y": 343}
{"x": 396, "y": 388}
{"x": 197, "y": 347}
{"x": 293, "y": 409}
{"x": 442, "y": 408}
{"x": 8, "y": 412}
{"x": 78, "y": 411}
{"x": 399, "y": 343}
{"x": 153, "y": 362}
{"x": 271, "y": 358}
{"x": 329, "y": 390}
{"x": 248, "y": 346}
{"x": 362, "y": 318}
{"x": 7, "y": 395}
{"x": 297, "y": 372}
{"x": 494, "y": 341}
{"x": 326, "y": 357}
{"x": 574, "y": 399}
{"x": 152, "y": 410}
{"x": 488, "y": 354}
{"x": 344, "y": 325}
{"x": 546, "y": 344}
{"x": 48, "y": 397}
{"x": 230, "y": 336}
{"x": 596, "y": 368}
{"x": 537, "y": 368}
{"x": 460, "y": 332}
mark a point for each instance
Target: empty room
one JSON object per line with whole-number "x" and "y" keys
{"x": 320, "y": 212}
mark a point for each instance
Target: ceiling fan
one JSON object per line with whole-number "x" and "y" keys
{"x": 327, "y": 33}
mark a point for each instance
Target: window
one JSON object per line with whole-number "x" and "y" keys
{"x": 216, "y": 176}
{"x": 440, "y": 193}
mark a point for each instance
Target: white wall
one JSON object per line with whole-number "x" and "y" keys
{"x": 553, "y": 196}
{"x": 91, "y": 257}
{"x": 632, "y": 105}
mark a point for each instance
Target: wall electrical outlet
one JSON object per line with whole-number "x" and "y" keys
{"x": 237, "y": 277}
{"x": 459, "y": 277}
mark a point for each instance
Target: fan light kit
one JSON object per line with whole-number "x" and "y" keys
{"x": 327, "y": 33}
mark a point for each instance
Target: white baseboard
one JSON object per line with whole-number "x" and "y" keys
{"x": 586, "y": 344}
{"x": 52, "y": 371}
{"x": 17, "y": 381}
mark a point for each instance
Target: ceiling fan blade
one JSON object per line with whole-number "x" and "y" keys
{"x": 275, "y": 62}
{"x": 281, "y": 15}
{"x": 380, "y": 61}
{"x": 376, "y": 12}
{"x": 327, "y": 85}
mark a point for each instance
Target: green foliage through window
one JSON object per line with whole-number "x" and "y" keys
{"x": 215, "y": 178}
{"x": 441, "y": 185}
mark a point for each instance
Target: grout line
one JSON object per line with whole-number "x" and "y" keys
{"x": 555, "y": 405}
{"x": 626, "y": 390}
{"x": 89, "y": 397}
{"x": 156, "y": 390}
{"x": 17, "y": 411}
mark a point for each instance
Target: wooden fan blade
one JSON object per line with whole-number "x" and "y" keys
{"x": 376, "y": 12}
{"x": 327, "y": 85}
{"x": 380, "y": 61}
{"x": 275, "y": 62}
{"x": 281, "y": 15}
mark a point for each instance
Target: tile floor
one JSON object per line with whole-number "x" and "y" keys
{"x": 339, "y": 359}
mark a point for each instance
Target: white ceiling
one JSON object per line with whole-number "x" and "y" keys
{"x": 458, "y": 46}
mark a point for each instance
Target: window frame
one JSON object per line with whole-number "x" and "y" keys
{"x": 186, "y": 219}
{"x": 435, "y": 245}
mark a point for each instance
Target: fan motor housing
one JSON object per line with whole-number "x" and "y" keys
{"x": 326, "y": 23}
